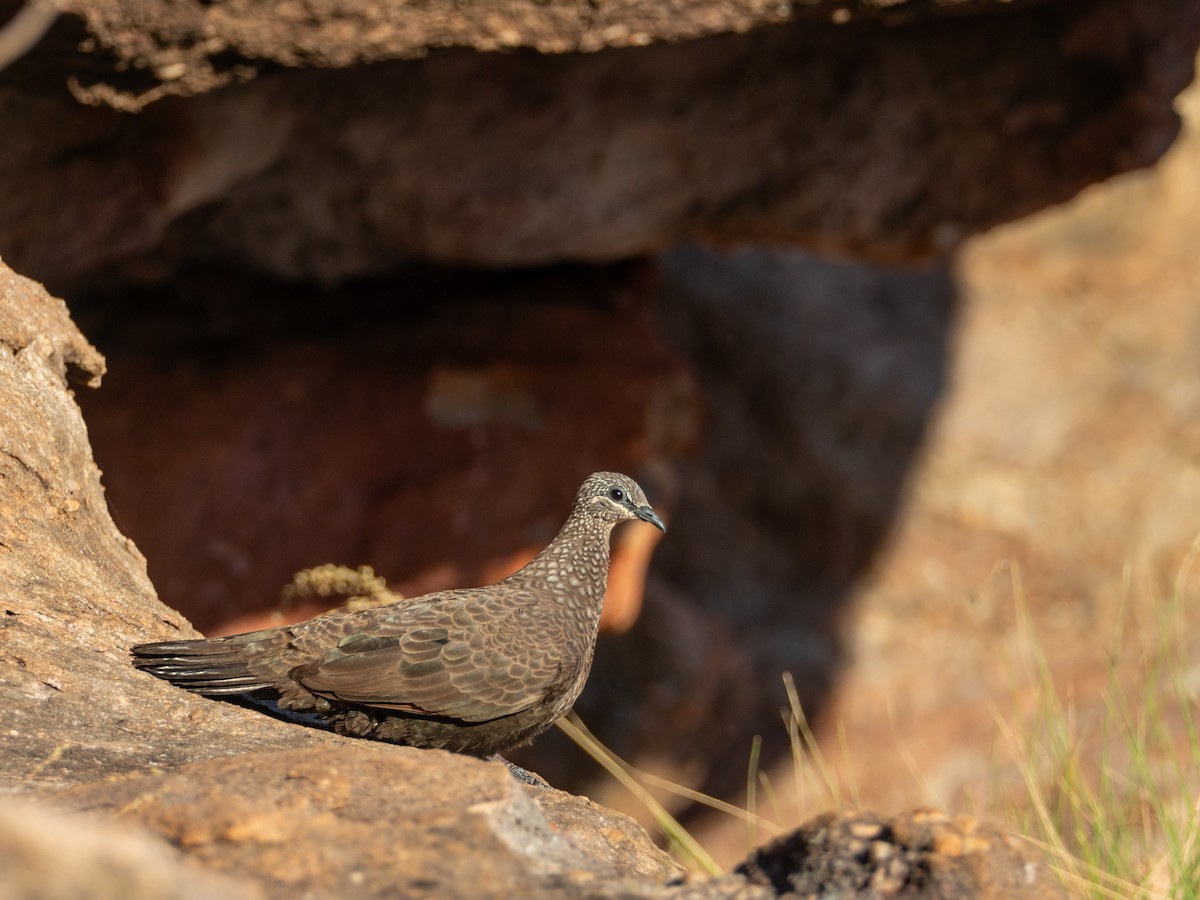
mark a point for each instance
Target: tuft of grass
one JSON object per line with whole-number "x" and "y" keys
{"x": 1111, "y": 797}
{"x": 814, "y": 776}
{"x": 812, "y": 771}
{"x": 685, "y": 847}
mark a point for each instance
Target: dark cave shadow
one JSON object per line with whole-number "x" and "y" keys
{"x": 248, "y": 428}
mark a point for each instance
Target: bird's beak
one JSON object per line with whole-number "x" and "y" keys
{"x": 646, "y": 514}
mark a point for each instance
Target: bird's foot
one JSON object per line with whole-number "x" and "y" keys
{"x": 522, "y": 775}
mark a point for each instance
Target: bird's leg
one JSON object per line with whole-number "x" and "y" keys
{"x": 521, "y": 774}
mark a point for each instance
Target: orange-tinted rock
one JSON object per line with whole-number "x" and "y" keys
{"x": 438, "y": 449}
{"x": 632, "y": 550}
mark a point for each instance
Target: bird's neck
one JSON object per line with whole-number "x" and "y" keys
{"x": 576, "y": 563}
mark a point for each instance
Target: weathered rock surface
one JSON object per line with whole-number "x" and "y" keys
{"x": 892, "y": 142}
{"x": 73, "y": 591}
{"x": 366, "y": 821}
{"x": 187, "y": 47}
{"x": 106, "y": 861}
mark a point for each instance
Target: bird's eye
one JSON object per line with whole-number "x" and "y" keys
{"x": 617, "y": 494}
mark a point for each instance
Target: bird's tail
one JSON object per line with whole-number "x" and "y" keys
{"x": 216, "y": 667}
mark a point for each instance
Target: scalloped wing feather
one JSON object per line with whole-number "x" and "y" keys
{"x": 456, "y": 666}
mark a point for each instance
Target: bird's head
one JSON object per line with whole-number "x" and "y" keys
{"x": 613, "y": 497}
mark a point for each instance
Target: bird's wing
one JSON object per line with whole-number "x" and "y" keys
{"x": 469, "y": 661}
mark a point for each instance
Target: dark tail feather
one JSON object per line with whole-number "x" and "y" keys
{"x": 216, "y": 667}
